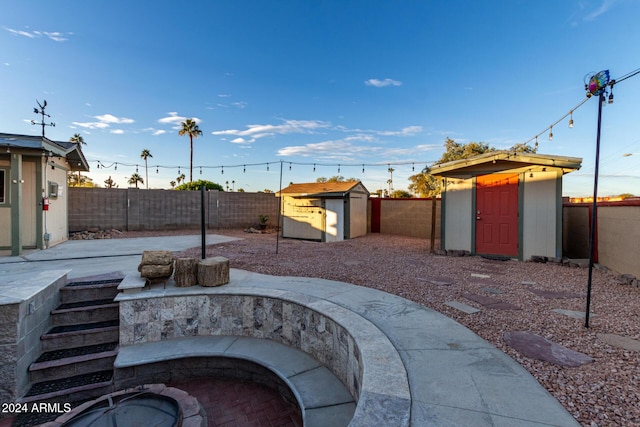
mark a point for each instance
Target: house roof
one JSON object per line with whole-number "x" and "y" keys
{"x": 323, "y": 189}
{"x": 500, "y": 161}
{"x": 39, "y": 145}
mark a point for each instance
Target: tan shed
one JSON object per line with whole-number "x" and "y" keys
{"x": 504, "y": 203}
{"x": 33, "y": 196}
{"x": 324, "y": 211}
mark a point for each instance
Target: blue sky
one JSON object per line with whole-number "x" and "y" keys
{"x": 321, "y": 82}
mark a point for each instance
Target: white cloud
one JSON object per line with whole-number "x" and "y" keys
{"x": 289, "y": 126}
{"x": 53, "y": 35}
{"x": 406, "y": 131}
{"x": 117, "y": 131}
{"x": 159, "y": 132}
{"x": 242, "y": 141}
{"x": 104, "y": 121}
{"x": 338, "y": 149}
{"x": 604, "y": 7}
{"x": 175, "y": 119}
{"x": 109, "y": 118}
{"x": 382, "y": 83}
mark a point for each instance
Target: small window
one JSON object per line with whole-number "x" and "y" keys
{"x": 3, "y": 186}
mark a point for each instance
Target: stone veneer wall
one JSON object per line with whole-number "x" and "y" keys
{"x": 23, "y": 319}
{"x": 287, "y": 322}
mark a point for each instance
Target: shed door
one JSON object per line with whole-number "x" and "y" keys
{"x": 497, "y": 214}
{"x": 29, "y": 205}
{"x": 334, "y": 225}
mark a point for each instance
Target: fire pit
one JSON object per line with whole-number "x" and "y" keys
{"x": 145, "y": 406}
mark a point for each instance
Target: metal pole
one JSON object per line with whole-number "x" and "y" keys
{"x": 594, "y": 211}
{"x": 279, "y": 209}
{"x": 202, "y": 225}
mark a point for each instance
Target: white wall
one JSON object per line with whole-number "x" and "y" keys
{"x": 55, "y": 219}
{"x": 458, "y": 214}
{"x": 539, "y": 216}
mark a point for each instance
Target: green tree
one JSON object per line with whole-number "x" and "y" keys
{"x": 195, "y": 185}
{"x": 190, "y": 127}
{"x": 336, "y": 178}
{"x": 79, "y": 141}
{"x": 110, "y": 183}
{"x": 426, "y": 185}
{"x": 523, "y": 148}
{"x": 401, "y": 194}
{"x": 135, "y": 179}
{"x": 145, "y": 155}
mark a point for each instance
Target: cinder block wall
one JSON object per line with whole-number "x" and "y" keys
{"x": 408, "y": 217}
{"x": 134, "y": 209}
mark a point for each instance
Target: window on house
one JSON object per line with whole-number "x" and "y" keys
{"x": 3, "y": 186}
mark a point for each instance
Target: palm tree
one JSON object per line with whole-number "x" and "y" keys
{"x": 109, "y": 183}
{"x": 79, "y": 140}
{"x": 180, "y": 178}
{"x": 190, "y": 127}
{"x": 135, "y": 179}
{"x": 145, "y": 155}
{"x": 172, "y": 183}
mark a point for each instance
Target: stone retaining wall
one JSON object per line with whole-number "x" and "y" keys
{"x": 287, "y": 322}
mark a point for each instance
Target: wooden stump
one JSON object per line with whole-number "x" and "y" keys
{"x": 213, "y": 271}
{"x": 186, "y": 273}
{"x": 156, "y": 258}
{"x": 156, "y": 271}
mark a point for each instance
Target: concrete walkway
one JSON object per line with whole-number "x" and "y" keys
{"x": 456, "y": 378}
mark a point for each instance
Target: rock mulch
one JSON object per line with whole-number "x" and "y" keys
{"x": 604, "y": 392}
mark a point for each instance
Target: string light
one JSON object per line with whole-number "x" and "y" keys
{"x": 413, "y": 167}
{"x": 289, "y": 165}
{"x": 571, "y": 118}
{"x": 363, "y": 168}
{"x": 338, "y": 168}
{"x": 314, "y": 167}
{"x": 551, "y": 133}
{"x": 536, "y": 142}
{"x": 179, "y": 170}
{"x": 244, "y": 168}
{"x": 222, "y": 169}
{"x": 200, "y": 170}
{"x": 116, "y": 168}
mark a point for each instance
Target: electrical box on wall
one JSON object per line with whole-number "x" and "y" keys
{"x": 53, "y": 189}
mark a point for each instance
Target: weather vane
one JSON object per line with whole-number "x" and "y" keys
{"x": 43, "y": 114}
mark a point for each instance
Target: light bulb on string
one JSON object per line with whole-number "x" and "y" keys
{"x": 116, "y": 167}
{"x": 413, "y": 167}
{"x": 338, "y": 168}
{"x": 550, "y": 133}
{"x": 222, "y": 170}
{"x": 314, "y": 167}
{"x": 157, "y": 169}
{"x": 571, "y": 118}
{"x": 244, "y": 168}
{"x": 136, "y": 168}
{"x": 363, "y": 168}
{"x": 178, "y": 170}
{"x": 200, "y": 171}
{"x": 267, "y": 167}
{"x": 536, "y": 142}
{"x": 289, "y": 165}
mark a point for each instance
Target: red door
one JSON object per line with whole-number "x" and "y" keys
{"x": 497, "y": 214}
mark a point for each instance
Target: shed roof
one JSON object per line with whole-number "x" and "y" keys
{"x": 39, "y": 144}
{"x": 323, "y": 189}
{"x": 500, "y": 161}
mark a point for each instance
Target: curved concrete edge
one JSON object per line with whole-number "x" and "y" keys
{"x": 384, "y": 385}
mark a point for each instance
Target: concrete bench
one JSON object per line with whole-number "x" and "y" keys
{"x": 340, "y": 345}
{"x": 321, "y": 396}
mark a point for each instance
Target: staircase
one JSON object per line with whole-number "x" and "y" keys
{"x": 80, "y": 348}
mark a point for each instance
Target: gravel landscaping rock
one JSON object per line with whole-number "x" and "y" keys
{"x": 605, "y": 392}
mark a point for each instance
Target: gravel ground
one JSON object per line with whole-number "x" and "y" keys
{"x": 603, "y": 393}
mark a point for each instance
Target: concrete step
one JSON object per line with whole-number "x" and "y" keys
{"x": 72, "y": 389}
{"x": 60, "y": 364}
{"x": 89, "y": 290}
{"x": 85, "y": 312}
{"x": 71, "y": 336}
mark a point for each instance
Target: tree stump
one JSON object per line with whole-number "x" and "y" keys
{"x": 213, "y": 271}
{"x": 156, "y": 258}
{"x": 186, "y": 272}
{"x": 156, "y": 271}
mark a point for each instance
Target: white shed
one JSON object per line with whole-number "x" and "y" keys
{"x": 324, "y": 211}
{"x": 504, "y": 203}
